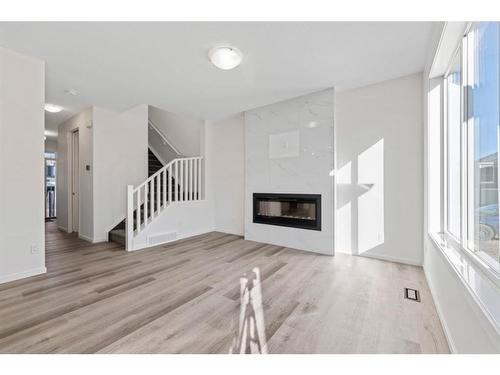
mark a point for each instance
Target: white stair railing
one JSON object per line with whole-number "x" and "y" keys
{"x": 178, "y": 181}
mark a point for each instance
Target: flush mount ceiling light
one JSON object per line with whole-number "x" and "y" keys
{"x": 225, "y": 57}
{"x": 52, "y": 108}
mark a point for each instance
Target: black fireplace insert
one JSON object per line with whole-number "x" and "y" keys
{"x": 288, "y": 210}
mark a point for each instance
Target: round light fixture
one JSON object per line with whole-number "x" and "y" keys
{"x": 52, "y": 108}
{"x": 225, "y": 57}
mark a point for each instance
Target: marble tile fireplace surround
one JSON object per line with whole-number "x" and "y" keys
{"x": 289, "y": 155}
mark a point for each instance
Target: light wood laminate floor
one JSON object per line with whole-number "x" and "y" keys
{"x": 184, "y": 297}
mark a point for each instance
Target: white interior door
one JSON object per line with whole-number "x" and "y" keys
{"x": 75, "y": 173}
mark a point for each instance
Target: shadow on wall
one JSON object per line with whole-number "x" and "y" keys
{"x": 360, "y": 206}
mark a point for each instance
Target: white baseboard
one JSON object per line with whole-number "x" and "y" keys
{"x": 391, "y": 259}
{"x": 62, "y": 228}
{"x": 446, "y": 330}
{"x": 86, "y": 238}
{"x": 92, "y": 240}
{"x": 99, "y": 240}
{"x": 308, "y": 249}
{"x": 235, "y": 233}
{"x": 180, "y": 237}
{"x": 22, "y": 275}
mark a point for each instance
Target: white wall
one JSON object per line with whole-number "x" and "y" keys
{"x": 380, "y": 171}
{"x": 160, "y": 148}
{"x": 114, "y": 146}
{"x": 305, "y": 170}
{"x": 83, "y": 123}
{"x": 466, "y": 324}
{"x": 22, "y": 95}
{"x": 120, "y": 159}
{"x": 227, "y": 157}
{"x": 179, "y": 220}
{"x": 185, "y": 133}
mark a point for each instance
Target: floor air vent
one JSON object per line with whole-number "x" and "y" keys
{"x": 158, "y": 239}
{"x": 412, "y": 294}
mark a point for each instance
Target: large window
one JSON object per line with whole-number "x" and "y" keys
{"x": 472, "y": 143}
{"x": 483, "y": 121}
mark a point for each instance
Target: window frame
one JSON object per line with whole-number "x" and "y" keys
{"x": 492, "y": 270}
{"x": 458, "y": 52}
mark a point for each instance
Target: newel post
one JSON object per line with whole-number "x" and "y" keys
{"x": 130, "y": 218}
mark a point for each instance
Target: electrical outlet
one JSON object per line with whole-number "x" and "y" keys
{"x": 34, "y": 248}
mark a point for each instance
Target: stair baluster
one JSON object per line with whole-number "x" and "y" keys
{"x": 178, "y": 181}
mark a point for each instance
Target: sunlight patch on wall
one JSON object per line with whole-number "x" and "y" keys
{"x": 371, "y": 203}
{"x": 344, "y": 174}
{"x": 343, "y": 231}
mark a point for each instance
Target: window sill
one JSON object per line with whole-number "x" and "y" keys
{"x": 483, "y": 286}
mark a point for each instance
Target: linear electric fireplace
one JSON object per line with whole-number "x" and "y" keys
{"x": 288, "y": 210}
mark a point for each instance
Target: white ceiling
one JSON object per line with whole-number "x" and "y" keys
{"x": 120, "y": 65}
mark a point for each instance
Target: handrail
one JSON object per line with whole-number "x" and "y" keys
{"x": 163, "y": 137}
{"x": 164, "y": 168}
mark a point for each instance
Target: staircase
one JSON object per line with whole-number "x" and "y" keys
{"x": 117, "y": 234}
{"x": 178, "y": 182}
{"x": 154, "y": 165}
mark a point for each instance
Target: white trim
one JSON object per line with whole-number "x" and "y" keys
{"x": 450, "y": 39}
{"x": 22, "y": 275}
{"x": 69, "y": 197}
{"x": 391, "y": 259}
{"x": 75, "y": 133}
{"x": 181, "y": 237}
{"x": 445, "y": 147}
{"x": 234, "y": 233}
{"x": 62, "y": 228}
{"x": 334, "y": 171}
{"x": 92, "y": 240}
{"x": 446, "y": 329}
{"x": 328, "y": 252}
{"x": 467, "y": 286}
{"x": 466, "y": 170}
{"x": 86, "y": 238}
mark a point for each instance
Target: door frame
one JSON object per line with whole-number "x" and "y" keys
{"x": 71, "y": 179}
{"x": 45, "y": 159}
